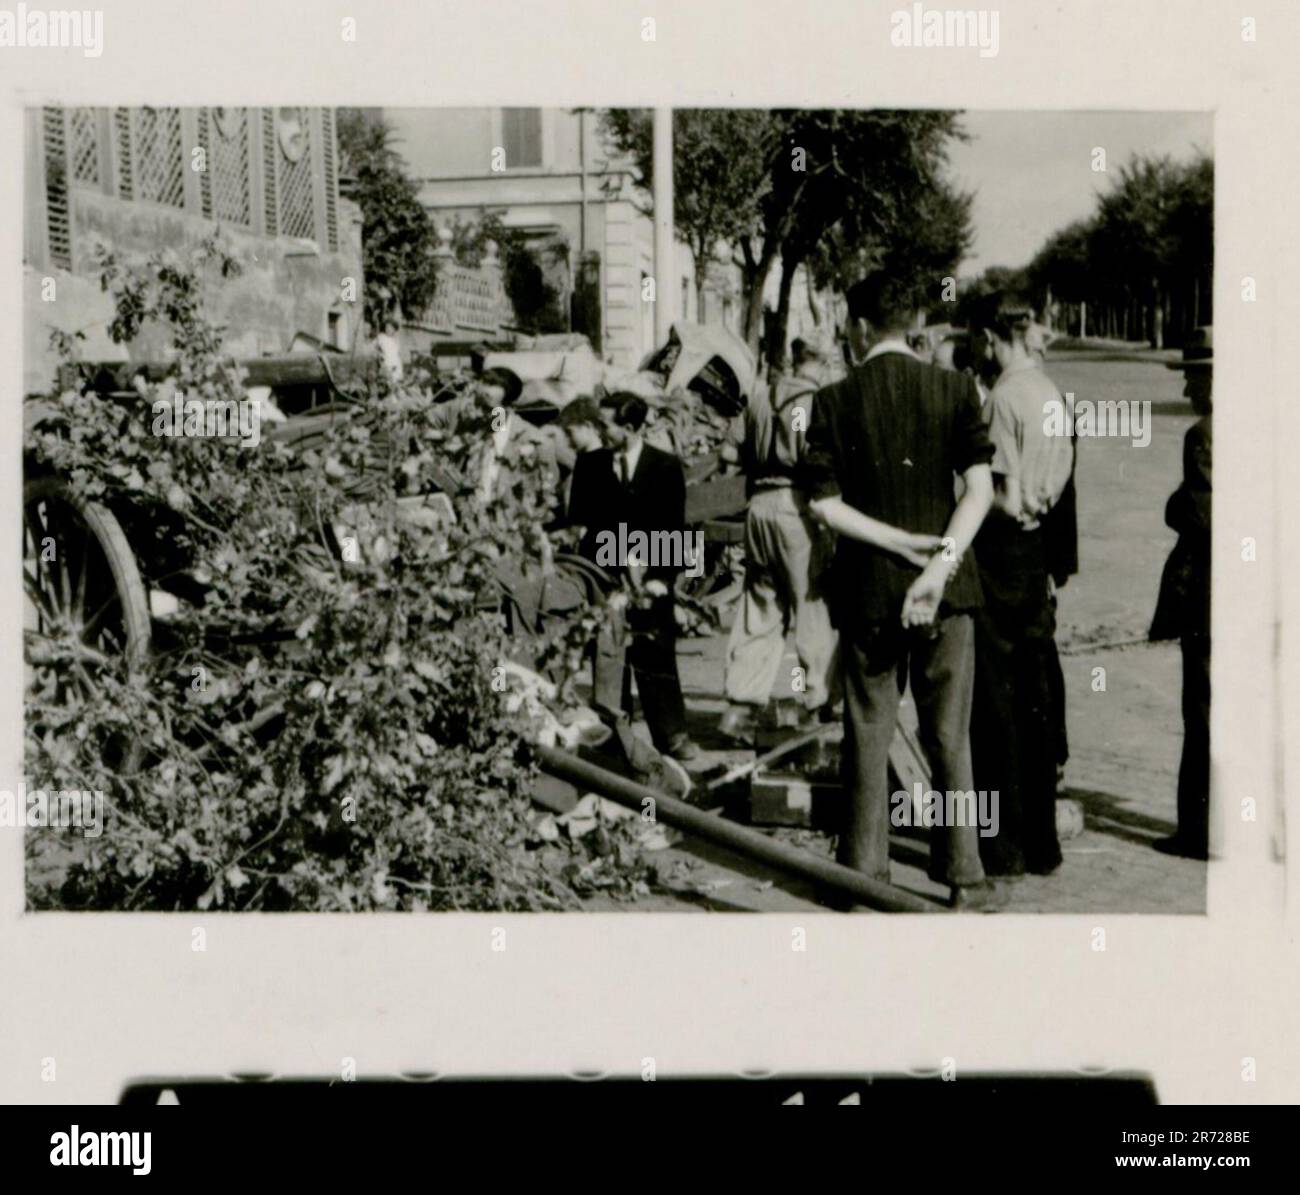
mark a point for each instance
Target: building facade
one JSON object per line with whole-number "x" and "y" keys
{"x": 550, "y": 173}
{"x": 138, "y": 180}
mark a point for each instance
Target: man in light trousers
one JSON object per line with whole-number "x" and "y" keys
{"x": 786, "y": 555}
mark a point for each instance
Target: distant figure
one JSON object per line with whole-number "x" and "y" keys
{"x": 955, "y": 353}
{"x": 504, "y": 440}
{"x": 1183, "y": 607}
{"x": 390, "y": 350}
{"x": 582, "y": 427}
{"x": 918, "y": 340}
{"x": 786, "y": 555}
{"x": 945, "y": 354}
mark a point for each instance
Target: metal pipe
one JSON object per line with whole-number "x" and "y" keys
{"x": 582, "y": 171}
{"x": 740, "y": 839}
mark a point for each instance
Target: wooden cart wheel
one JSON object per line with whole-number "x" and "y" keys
{"x": 85, "y": 603}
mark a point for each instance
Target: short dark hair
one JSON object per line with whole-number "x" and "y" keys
{"x": 629, "y": 410}
{"x": 963, "y": 356}
{"x": 802, "y": 350}
{"x": 884, "y": 303}
{"x": 1003, "y": 313}
{"x": 581, "y": 412}
{"x": 506, "y": 379}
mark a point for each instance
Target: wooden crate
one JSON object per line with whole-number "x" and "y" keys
{"x": 788, "y": 799}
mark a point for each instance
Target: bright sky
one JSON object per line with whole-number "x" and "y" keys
{"x": 1032, "y": 171}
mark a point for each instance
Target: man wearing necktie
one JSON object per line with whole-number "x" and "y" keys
{"x": 628, "y": 487}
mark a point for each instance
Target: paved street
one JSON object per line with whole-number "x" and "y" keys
{"x": 1124, "y": 742}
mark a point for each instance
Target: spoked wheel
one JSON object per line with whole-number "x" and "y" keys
{"x": 86, "y": 610}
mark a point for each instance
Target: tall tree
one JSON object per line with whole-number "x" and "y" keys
{"x": 398, "y": 237}
{"x": 1134, "y": 225}
{"x": 1148, "y": 249}
{"x": 864, "y": 190}
{"x": 773, "y": 186}
{"x": 925, "y": 249}
{"x": 722, "y": 164}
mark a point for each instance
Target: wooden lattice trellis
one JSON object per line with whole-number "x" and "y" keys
{"x": 226, "y": 189}
{"x": 270, "y": 155}
{"x": 468, "y": 298}
{"x": 159, "y": 166}
{"x": 122, "y": 136}
{"x": 83, "y": 145}
{"x": 297, "y": 210}
{"x": 329, "y": 161}
{"x": 57, "y": 223}
{"x": 142, "y": 155}
{"x": 204, "y": 123}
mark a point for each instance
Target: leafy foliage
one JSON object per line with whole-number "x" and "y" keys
{"x": 722, "y": 166}
{"x": 535, "y": 298}
{"x": 1151, "y": 237}
{"x": 320, "y": 728}
{"x": 398, "y": 237}
{"x": 842, "y": 190}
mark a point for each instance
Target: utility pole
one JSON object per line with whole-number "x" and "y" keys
{"x": 665, "y": 278}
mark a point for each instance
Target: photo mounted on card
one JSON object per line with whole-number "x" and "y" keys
{"x": 643, "y": 548}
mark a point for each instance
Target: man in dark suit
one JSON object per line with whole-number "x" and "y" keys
{"x": 627, "y": 487}
{"x": 1183, "y": 607}
{"x": 883, "y": 447}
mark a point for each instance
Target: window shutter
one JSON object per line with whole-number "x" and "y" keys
{"x": 328, "y": 158}
{"x": 57, "y": 219}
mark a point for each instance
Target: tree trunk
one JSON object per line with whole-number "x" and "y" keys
{"x": 813, "y": 307}
{"x": 776, "y": 350}
{"x": 1157, "y": 315}
{"x": 754, "y": 277}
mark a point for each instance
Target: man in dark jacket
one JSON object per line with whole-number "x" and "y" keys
{"x": 626, "y": 488}
{"x": 883, "y": 448}
{"x": 1183, "y": 607}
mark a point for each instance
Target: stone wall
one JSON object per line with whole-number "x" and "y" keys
{"x": 289, "y": 285}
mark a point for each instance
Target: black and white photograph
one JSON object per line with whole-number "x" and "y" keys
{"x": 590, "y": 509}
{"x": 647, "y": 555}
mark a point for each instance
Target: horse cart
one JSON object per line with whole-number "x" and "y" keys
{"x": 101, "y": 576}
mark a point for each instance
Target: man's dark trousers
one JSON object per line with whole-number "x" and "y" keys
{"x": 876, "y": 664}
{"x": 1014, "y": 728}
{"x": 643, "y": 642}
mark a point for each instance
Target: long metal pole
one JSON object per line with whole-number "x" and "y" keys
{"x": 740, "y": 839}
{"x": 665, "y": 279}
{"x": 582, "y": 176}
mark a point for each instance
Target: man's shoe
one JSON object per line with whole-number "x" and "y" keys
{"x": 1176, "y": 845}
{"x": 682, "y": 749}
{"x": 975, "y": 898}
{"x": 737, "y": 725}
{"x": 664, "y": 774}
